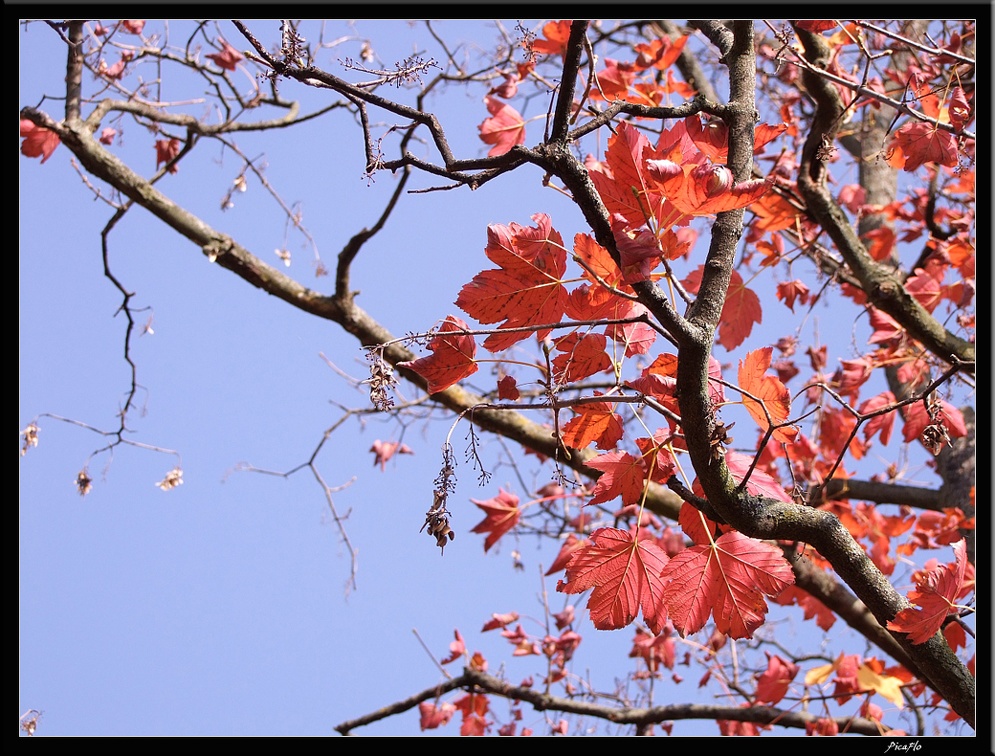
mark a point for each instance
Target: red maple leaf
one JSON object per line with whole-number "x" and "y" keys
{"x": 582, "y": 355}
{"x": 614, "y": 80}
{"x": 712, "y": 137}
{"x": 959, "y": 110}
{"x": 773, "y": 395}
{"x": 654, "y": 649}
{"x": 773, "y": 213}
{"x": 166, "y": 150}
{"x": 527, "y": 287}
{"x": 727, "y": 579}
{"x": 384, "y": 450}
{"x": 773, "y": 684}
{"x": 881, "y": 423}
{"x": 504, "y": 129}
{"x": 567, "y": 550}
{"x": 228, "y": 58}
{"x": 696, "y": 525}
{"x": 919, "y": 142}
{"x": 508, "y": 388}
{"x": 432, "y": 716}
{"x": 597, "y": 263}
{"x": 824, "y": 616}
{"x": 789, "y": 291}
{"x": 593, "y": 423}
{"x": 502, "y": 515}
{"x": 456, "y": 649}
{"x": 637, "y": 338}
{"x": 935, "y": 594}
{"x": 452, "y": 357}
{"x": 499, "y": 620}
{"x": 622, "y": 475}
{"x": 739, "y": 312}
{"x": 625, "y": 575}
{"x": 474, "y": 707}
{"x": 38, "y": 141}
{"x": 925, "y": 289}
{"x": 661, "y": 53}
{"x": 887, "y": 331}
{"x": 916, "y": 420}
{"x": 880, "y": 242}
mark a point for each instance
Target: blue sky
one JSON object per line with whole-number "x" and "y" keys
{"x": 223, "y": 607}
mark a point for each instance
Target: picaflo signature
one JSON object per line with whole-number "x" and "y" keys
{"x": 909, "y": 747}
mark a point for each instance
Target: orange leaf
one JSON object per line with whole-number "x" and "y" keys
{"x": 774, "y": 213}
{"x": 452, "y": 359}
{"x": 504, "y": 129}
{"x": 772, "y": 394}
{"x": 502, "y": 515}
{"x": 727, "y": 579}
{"x": 594, "y": 422}
{"x": 556, "y": 34}
{"x": 624, "y": 188}
{"x": 625, "y": 576}
{"x": 526, "y": 289}
{"x": 704, "y": 189}
{"x": 596, "y": 259}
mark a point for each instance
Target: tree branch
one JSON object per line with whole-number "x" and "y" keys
{"x": 481, "y": 682}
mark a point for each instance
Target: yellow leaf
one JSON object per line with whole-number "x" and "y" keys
{"x": 887, "y": 686}
{"x": 819, "y": 675}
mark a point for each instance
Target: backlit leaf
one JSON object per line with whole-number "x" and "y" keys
{"x": 625, "y": 576}
{"x": 773, "y": 395}
{"x": 727, "y": 579}
{"x": 595, "y": 422}
{"x": 504, "y": 129}
{"x": 452, "y": 359}
{"x": 526, "y": 289}
{"x": 502, "y": 515}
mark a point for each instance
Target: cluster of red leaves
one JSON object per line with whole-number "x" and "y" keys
{"x": 725, "y": 578}
{"x": 919, "y": 142}
{"x": 935, "y": 595}
{"x": 652, "y": 191}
